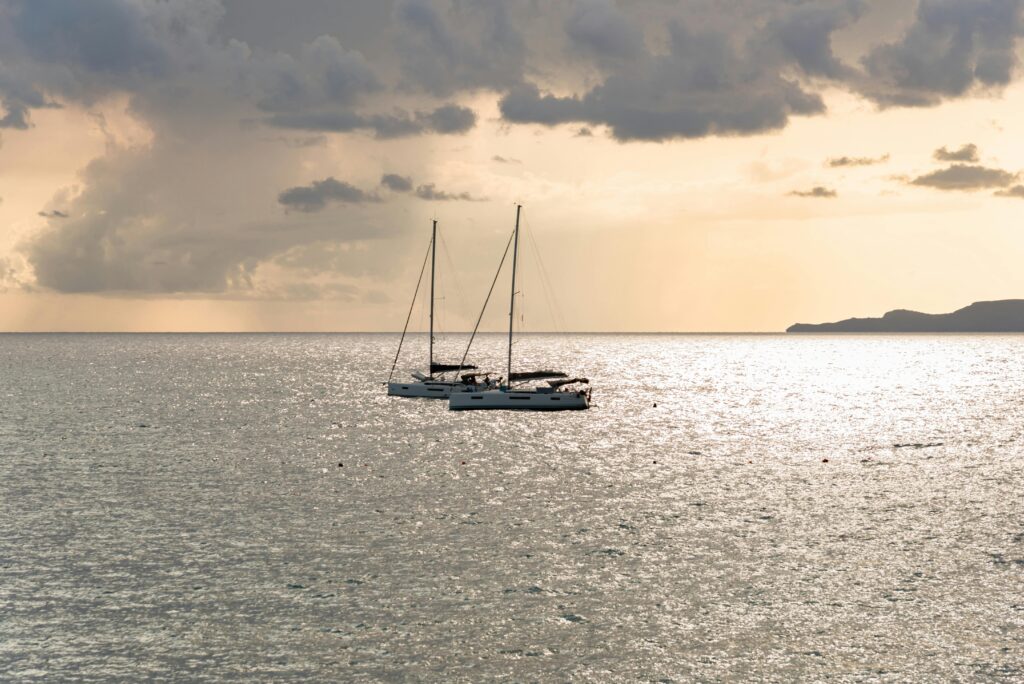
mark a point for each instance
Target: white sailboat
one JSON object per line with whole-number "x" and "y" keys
{"x": 558, "y": 393}
{"x": 441, "y": 379}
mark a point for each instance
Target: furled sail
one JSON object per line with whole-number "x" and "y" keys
{"x": 568, "y": 381}
{"x": 536, "y": 375}
{"x": 448, "y": 367}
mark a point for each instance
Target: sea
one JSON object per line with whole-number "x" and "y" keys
{"x": 732, "y": 508}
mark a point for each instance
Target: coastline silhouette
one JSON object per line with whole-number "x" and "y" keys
{"x": 1005, "y": 315}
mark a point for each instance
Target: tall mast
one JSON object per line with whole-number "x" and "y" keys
{"x": 433, "y": 270}
{"x": 512, "y": 304}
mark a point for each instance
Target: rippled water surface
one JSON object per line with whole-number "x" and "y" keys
{"x": 253, "y": 507}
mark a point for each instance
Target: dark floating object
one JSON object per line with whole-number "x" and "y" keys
{"x": 655, "y": 404}
{"x": 341, "y": 465}
{"x": 918, "y": 445}
{"x": 824, "y": 460}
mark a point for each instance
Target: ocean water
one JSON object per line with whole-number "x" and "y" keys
{"x": 252, "y": 507}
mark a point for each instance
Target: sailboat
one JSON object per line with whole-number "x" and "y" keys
{"x": 559, "y": 392}
{"x": 441, "y": 379}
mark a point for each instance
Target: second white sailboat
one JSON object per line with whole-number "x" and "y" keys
{"x": 558, "y": 393}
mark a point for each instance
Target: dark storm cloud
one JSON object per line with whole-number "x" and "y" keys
{"x": 703, "y": 85}
{"x": 839, "y": 162}
{"x": 1015, "y": 191}
{"x": 953, "y": 47}
{"x": 17, "y": 99}
{"x": 597, "y": 26}
{"x": 130, "y": 232}
{"x": 429, "y": 192}
{"x": 396, "y": 183}
{"x": 803, "y": 34}
{"x": 450, "y": 119}
{"x": 447, "y": 119}
{"x": 187, "y": 212}
{"x": 967, "y": 153}
{"x": 451, "y": 47}
{"x": 315, "y": 196}
{"x": 818, "y": 191}
{"x": 323, "y": 73}
{"x": 966, "y": 177}
{"x": 84, "y": 51}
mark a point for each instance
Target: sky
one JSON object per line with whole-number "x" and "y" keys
{"x": 710, "y": 165}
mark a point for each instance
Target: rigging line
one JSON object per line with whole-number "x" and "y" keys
{"x": 459, "y": 291}
{"x": 476, "y": 327}
{"x": 412, "y": 305}
{"x": 549, "y": 291}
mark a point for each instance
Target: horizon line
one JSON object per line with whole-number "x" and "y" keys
{"x": 384, "y": 332}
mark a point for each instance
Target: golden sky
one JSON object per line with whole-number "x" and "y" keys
{"x": 199, "y": 170}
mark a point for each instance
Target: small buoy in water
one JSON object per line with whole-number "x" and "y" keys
{"x": 655, "y": 463}
{"x": 655, "y": 404}
{"x": 463, "y": 463}
{"x": 341, "y": 465}
{"x": 824, "y": 460}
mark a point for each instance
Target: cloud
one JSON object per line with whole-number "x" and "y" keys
{"x": 323, "y": 73}
{"x": 817, "y": 191}
{"x": 18, "y": 97}
{"x": 952, "y": 48}
{"x": 967, "y": 153}
{"x": 703, "y": 85}
{"x": 449, "y": 47}
{"x": 396, "y": 183}
{"x": 169, "y": 55}
{"x": 447, "y": 119}
{"x": 315, "y": 196}
{"x": 426, "y": 191}
{"x": 130, "y": 230}
{"x": 803, "y": 35}
{"x": 838, "y": 162}
{"x": 188, "y": 212}
{"x": 601, "y": 29}
{"x": 966, "y": 177}
{"x": 430, "y": 192}
{"x": 1014, "y": 191}
{"x": 55, "y": 214}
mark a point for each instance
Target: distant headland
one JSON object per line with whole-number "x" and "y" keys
{"x": 1006, "y": 315}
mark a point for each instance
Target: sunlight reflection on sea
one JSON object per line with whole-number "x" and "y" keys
{"x": 218, "y": 507}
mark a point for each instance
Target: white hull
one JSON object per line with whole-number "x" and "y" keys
{"x": 527, "y": 400}
{"x": 426, "y": 390}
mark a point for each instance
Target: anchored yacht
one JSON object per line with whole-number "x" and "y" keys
{"x": 441, "y": 379}
{"x": 558, "y": 392}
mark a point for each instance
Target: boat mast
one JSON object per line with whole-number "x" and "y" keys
{"x": 512, "y": 304}
{"x": 433, "y": 270}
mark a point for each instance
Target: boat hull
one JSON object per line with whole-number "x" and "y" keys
{"x": 498, "y": 400}
{"x": 425, "y": 390}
